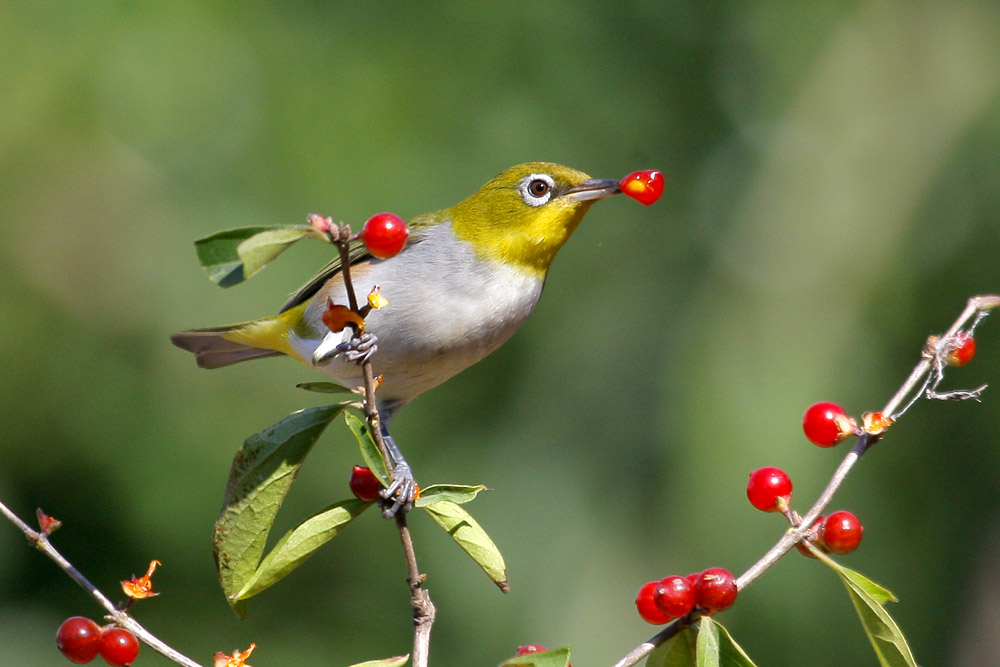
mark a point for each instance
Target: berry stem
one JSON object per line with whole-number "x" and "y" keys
{"x": 420, "y": 599}
{"x": 41, "y": 542}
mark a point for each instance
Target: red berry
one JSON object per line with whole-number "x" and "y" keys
{"x": 715, "y": 589}
{"x": 841, "y": 532}
{"x": 826, "y": 424}
{"x": 647, "y": 608}
{"x": 364, "y": 484}
{"x": 531, "y": 648}
{"x": 674, "y": 596}
{"x": 119, "y": 647}
{"x": 79, "y": 639}
{"x": 961, "y": 349}
{"x": 384, "y": 234}
{"x": 769, "y": 489}
{"x": 643, "y": 186}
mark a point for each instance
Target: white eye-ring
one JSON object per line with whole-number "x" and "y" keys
{"x": 536, "y": 189}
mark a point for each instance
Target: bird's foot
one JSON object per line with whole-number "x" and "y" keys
{"x": 360, "y": 349}
{"x": 354, "y": 349}
{"x": 399, "y": 495}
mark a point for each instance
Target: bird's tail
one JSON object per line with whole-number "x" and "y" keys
{"x": 216, "y": 347}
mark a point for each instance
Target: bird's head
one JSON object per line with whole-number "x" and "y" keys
{"x": 526, "y": 213}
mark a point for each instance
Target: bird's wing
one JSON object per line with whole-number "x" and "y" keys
{"x": 357, "y": 253}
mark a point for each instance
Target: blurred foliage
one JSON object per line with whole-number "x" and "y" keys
{"x": 833, "y": 196}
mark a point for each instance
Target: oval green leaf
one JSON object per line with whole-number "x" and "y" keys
{"x": 716, "y": 647}
{"x": 231, "y": 256}
{"x": 262, "y": 472}
{"x": 398, "y": 661}
{"x": 883, "y": 633}
{"x": 300, "y": 543}
{"x": 456, "y": 493}
{"x": 369, "y": 450}
{"x": 323, "y": 387}
{"x": 258, "y": 250}
{"x": 472, "y": 538}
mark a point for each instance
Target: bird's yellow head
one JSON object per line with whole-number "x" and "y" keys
{"x": 525, "y": 214}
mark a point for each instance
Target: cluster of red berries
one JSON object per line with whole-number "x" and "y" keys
{"x": 662, "y": 601}
{"x": 80, "y": 640}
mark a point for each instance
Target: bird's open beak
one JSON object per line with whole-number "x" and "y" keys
{"x": 594, "y": 188}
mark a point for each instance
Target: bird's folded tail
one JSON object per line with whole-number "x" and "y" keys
{"x": 216, "y": 347}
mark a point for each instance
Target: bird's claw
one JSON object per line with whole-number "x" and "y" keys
{"x": 401, "y": 493}
{"x": 359, "y": 349}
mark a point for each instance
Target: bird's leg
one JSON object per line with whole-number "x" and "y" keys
{"x": 403, "y": 490}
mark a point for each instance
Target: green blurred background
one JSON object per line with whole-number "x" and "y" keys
{"x": 833, "y": 196}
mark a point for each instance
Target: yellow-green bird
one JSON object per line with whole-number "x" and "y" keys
{"x": 466, "y": 280}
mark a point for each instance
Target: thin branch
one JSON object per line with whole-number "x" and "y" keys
{"x": 420, "y": 599}
{"x": 41, "y": 542}
{"x": 977, "y": 306}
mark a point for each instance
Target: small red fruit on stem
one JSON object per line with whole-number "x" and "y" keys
{"x": 79, "y": 639}
{"x": 826, "y": 424}
{"x": 715, "y": 589}
{"x": 384, "y": 234}
{"x": 841, "y": 532}
{"x": 769, "y": 489}
{"x": 643, "y": 186}
{"x": 674, "y": 596}
{"x": 364, "y": 484}
{"x": 119, "y": 647}
{"x": 646, "y": 607}
{"x": 961, "y": 350}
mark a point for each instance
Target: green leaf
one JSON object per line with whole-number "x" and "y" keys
{"x": 323, "y": 387}
{"x": 472, "y": 538}
{"x": 258, "y": 250}
{"x": 229, "y": 257}
{"x": 369, "y": 451}
{"x": 886, "y": 637}
{"x": 868, "y": 597}
{"x": 878, "y": 593}
{"x": 398, "y": 661}
{"x": 300, "y": 543}
{"x": 716, "y": 647}
{"x": 456, "y": 493}
{"x": 555, "y": 658}
{"x": 262, "y": 472}
{"x": 678, "y": 651}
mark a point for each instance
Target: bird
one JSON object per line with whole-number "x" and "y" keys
{"x": 466, "y": 280}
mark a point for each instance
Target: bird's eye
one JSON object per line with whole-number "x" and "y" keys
{"x": 536, "y": 189}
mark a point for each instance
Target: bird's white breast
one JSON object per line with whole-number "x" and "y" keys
{"x": 448, "y": 308}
